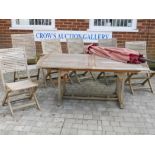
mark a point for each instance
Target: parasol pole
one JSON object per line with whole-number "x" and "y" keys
{"x": 148, "y": 60}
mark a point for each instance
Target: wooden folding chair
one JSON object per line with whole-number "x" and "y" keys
{"x": 141, "y": 78}
{"x": 76, "y": 46}
{"x": 15, "y": 60}
{"x": 52, "y": 46}
{"x": 106, "y": 43}
{"x": 27, "y": 42}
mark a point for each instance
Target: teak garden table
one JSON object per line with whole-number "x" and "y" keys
{"x": 85, "y": 62}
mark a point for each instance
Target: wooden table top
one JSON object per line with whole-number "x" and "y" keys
{"x": 87, "y": 62}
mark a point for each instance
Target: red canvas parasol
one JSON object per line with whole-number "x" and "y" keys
{"x": 118, "y": 54}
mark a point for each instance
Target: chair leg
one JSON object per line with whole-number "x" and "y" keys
{"x": 85, "y": 73}
{"x": 53, "y": 84}
{"x": 71, "y": 73}
{"x": 105, "y": 79}
{"x": 77, "y": 77}
{"x": 98, "y": 77}
{"x": 147, "y": 79}
{"x": 36, "y": 100}
{"x": 30, "y": 91}
{"x": 38, "y": 74}
{"x": 149, "y": 82}
{"x": 49, "y": 75}
{"x": 10, "y": 107}
{"x": 130, "y": 85}
{"x": 46, "y": 76}
{"x": 70, "y": 79}
{"x": 92, "y": 76}
{"x": 4, "y": 99}
{"x": 14, "y": 76}
{"x": 129, "y": 75}
{"x": 33, "y": 95}
{"x": 128, "y": 79}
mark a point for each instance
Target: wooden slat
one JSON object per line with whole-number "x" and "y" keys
{"x": 141, "y": 87}
{"x": 13, "y": 59}
{"x": 24, "y": 106}
{"x": 27, "y": 42}
{"x": 139, "y": 46}
{"x": 91, "y": 98}
{"x": 108, "y": 42}
{"x": 51, "y": 46}
{"x": 75, "y": 46}
{"x": 20, "y": 85}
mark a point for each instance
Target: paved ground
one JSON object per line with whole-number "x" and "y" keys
{"x": 83, "y": 116}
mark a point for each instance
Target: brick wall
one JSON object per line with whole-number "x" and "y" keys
{"x": 72, "y": 24}
{"x": 4, "y": 33}
{"x": 151, "y": 39}
{"x": 146, "y": 33}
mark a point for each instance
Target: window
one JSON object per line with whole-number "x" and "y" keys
{"x": 33, "y": 23}
{"x": 113, "y": 24}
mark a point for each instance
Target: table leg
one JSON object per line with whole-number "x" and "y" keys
{"x": 120, "y": 88}
{"x": 59, "y": 88}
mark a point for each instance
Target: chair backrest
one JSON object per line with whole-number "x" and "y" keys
{"x": 75, "y": 46}
{"x": 139, "y": 46}
{"x": 108, "y": 42}
{"x": 13, "y": 60}
{"x": 51, "y": 46}
{"x": 25, "y": 41}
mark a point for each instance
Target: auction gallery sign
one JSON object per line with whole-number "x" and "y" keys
{"x": 87, "y": 36}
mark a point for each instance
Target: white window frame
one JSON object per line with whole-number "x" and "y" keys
{"x": 113, "y": 29}
{"x": 33, "y": 27}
